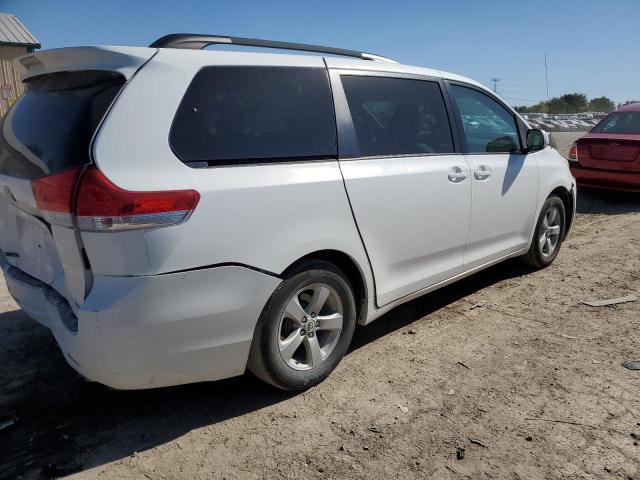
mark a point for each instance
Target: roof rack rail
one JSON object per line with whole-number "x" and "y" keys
{"x": 198, "y": 42}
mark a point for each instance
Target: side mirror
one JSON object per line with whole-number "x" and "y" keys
{"x": 537, "y": 140}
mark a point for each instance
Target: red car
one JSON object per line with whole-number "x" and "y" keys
{"x": 608, "y": 157}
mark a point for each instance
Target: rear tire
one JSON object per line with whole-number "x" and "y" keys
{"x": 548, "y": 235}
{"x": 305, "y": 328}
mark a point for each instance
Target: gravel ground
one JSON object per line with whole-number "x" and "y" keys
{"x": 531, "y": 374}
{"x": 565, "y": 139}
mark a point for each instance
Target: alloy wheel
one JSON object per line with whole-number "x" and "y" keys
{"x": 550, "y": 232}
{"x": 310, "y": 326}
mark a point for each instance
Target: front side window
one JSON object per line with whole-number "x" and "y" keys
{"x": 397, "y": 116}
{"x": 488, "y": 126}
{"x": 248, "y": 114}
{"x": 620, "y": 122}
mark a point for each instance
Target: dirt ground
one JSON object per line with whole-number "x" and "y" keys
{"x": 530, "y": 372}
{"x": 564, "y": 140}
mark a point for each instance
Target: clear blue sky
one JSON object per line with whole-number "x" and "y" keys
{"x": 593, "y": 46}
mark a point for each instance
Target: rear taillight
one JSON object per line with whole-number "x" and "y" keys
{"x": 100, "y": 205}
{"x": 53, "y": 193}
{"x": 573, "y": 152}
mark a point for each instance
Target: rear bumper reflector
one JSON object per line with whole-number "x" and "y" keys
{"x": 129, "y": 222}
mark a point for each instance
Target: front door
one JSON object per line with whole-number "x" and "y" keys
{"x": 504, "y": 180}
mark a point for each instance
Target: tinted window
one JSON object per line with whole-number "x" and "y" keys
{"x": 488, "y": 126}
{"x": 231, "y": 114}
{"x": 50, "y": 127}
{"x": 395, "y": 116}
{"x": 620, "y": 122}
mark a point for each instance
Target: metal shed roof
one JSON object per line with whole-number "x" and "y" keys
{"x": 13, "y": 32}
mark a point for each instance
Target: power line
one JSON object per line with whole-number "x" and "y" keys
{"x": 521, "y": 99}
{"x": 495, "y": 83}
{"x": 575, "y": 85}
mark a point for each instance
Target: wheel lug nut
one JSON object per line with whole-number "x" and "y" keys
{"x": 302, "y": 332}
{"x": 311, "y": 334}
{"x": 313, "y": 314}
{"x": 304, "y": 319}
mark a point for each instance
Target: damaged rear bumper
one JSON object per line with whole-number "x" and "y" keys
{"x": 153, "y": 331}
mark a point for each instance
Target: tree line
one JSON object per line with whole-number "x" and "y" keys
{"x": 570, "y": 103}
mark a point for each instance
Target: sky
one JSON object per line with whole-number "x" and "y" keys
{"x": 592, "y": 46}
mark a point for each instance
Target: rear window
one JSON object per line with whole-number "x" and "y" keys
{"x": 253, "y": 114}
{"x": 620, "y": 122}
{"x": 49, "y": 129}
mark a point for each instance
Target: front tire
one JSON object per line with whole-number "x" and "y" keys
{"x": 305, "y": 329}
{"x": 548, "y": 235}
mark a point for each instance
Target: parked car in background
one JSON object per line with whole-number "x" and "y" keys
{"x": 177, "y": 215}
{"x": 608, "y": 157}
{"x": 563, "y": 122}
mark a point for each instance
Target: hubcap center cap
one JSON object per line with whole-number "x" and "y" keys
{"x": 310, "y": 326}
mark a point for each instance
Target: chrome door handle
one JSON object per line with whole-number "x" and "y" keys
{"x": 457, "y": 174}
{"x": 482, "y": 173}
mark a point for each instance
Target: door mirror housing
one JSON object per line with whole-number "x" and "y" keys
{"x": 537, "y": 140}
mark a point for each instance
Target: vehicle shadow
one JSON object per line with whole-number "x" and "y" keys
{"x": 409, "y": 312}
{"x": 64, "y": 424}
{"x": 514, "y": 166}
{"x": 607, "y": 202}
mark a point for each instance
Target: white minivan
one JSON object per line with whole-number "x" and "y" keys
{"x": 175, "y": 215}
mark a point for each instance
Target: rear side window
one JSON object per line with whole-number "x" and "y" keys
{"x": 50, "y": 127}
{"x": 488, "y": 126}
{"x": 397, "y": 116}
{"x": 620, "y": 122}
{"x": 252, "y": 114}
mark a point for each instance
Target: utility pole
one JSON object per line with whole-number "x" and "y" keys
{"x": 546, "y": 74}
{"x": 495, "y": 84}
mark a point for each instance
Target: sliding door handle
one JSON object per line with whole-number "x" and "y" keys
{"x": 457, "y": 174}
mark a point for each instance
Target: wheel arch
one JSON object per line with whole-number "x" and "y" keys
{"x": 567, "y": 199}
{"x": 351, "y": 269}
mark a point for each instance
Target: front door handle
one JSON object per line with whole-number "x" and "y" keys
{"x": 482, "y": 173}
{"x": 457, "y": 174}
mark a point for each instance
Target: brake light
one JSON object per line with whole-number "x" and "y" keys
{"x": 53, "y": 193}
{"x": 573, "y": 152}
{"x": 100, "y": 205}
